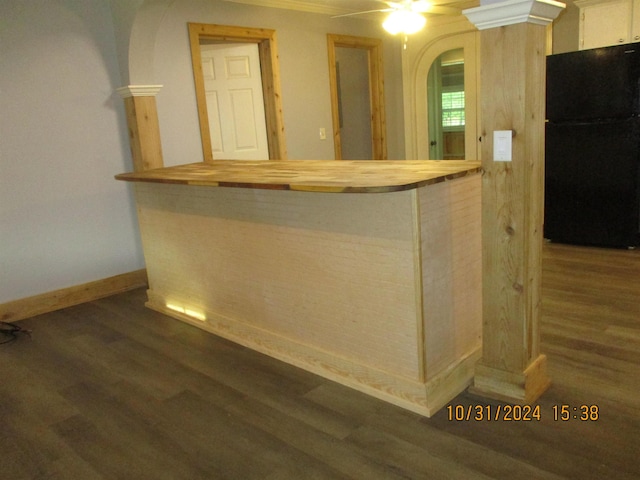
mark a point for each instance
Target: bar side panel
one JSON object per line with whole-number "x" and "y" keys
{"x": 452, "y": 272}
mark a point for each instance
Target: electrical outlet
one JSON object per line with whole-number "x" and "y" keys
{"x": 502, "y": 145}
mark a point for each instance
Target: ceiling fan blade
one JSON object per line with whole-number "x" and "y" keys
{"x": 425, "y": 6}
{"x": 421, "y": 6}
{"x": 363, "y": 12}
{"x": 395, "y": 5}
{"x": 443, "y": 10}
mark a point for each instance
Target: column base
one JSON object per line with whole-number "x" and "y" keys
{"x": 512, "y": 387}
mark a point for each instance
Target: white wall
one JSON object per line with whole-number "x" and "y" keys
{"x": 302, "y": 47}
{"x": 566, "y": 29}
{"x": 64, "y": 220}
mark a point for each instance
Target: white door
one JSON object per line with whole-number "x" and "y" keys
{"x": 235, "y": 106}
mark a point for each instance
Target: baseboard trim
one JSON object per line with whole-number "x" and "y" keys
{"x": 67, "y": 297}
{"x": 412, "y": 394}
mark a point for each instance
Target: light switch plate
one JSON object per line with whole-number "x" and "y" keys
{"x": 502, "y": 145}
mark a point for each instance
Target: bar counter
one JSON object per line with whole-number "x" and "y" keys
{"x": 365, "y": 272}
{"x": 344, "y": 176}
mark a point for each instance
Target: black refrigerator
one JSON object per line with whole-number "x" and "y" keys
{"x": 592, "y": 147}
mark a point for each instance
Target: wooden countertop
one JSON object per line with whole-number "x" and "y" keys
{"x": 336, "y": 176}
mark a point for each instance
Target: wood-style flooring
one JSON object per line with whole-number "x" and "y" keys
{"x": 112, "y": 390}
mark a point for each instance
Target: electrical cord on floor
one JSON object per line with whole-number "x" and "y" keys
{"x": 9, "y": 332}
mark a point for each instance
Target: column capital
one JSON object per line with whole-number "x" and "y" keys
{"x": 494, "y": 13}
{"x": 138, "y": 91}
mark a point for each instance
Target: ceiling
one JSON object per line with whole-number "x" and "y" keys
{"x": 342, "y": 7}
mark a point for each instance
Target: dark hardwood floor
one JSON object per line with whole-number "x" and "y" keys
{"x": 112, "y": 390}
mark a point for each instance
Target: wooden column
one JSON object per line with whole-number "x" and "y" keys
{"x": 512, "y": 90}
{"x": 144, "y": 130}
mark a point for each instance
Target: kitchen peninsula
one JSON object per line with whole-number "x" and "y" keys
{"x": 365, "y": 272}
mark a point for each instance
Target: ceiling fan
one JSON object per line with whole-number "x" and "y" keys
{"x": 405, "y": 16}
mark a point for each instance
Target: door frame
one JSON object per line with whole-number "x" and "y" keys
{"x": 268, "y": 52}
{"x": 373, "y": 46}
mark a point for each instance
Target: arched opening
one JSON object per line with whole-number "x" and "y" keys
{"x": 445, "y": 116}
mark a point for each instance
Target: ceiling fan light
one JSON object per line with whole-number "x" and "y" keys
{"x": 404, "y": 21}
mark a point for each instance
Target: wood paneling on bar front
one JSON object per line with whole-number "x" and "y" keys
{"x": 377, "y": 291}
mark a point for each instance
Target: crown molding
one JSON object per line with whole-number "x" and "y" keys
{"x": 299, "y": 5}
{"x": 138, "y": 91}
{"x": 493, "y": 13}
{"x": 588, "y": 3}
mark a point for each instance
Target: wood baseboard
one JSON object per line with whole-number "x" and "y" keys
{"x": 419, "y": 397}
{"x": 67, "y": 297}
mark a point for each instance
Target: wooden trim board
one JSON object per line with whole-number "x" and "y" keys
{"x": 67, "y": 297}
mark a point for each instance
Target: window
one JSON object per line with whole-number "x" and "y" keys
{"x": 453, "y": 109}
